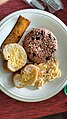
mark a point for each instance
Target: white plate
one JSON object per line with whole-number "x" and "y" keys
{"x": 38, "y": 19}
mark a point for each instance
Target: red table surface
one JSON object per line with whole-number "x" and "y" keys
{"x": 13, "y": 109}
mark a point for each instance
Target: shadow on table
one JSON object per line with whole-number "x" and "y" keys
{"x": 55, "y": 116}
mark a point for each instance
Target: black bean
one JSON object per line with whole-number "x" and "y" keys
{"x": 54, "y": 39}
{"x": 38, "y": 38}
{"x": 49, "y": 35}
{"x": 40, "y": 45}
{"x": 54, "y": 49}
{"x": 47, "y": 58}
{"x": 33, "y": 38}
{"x": 34, "y": 54}
{"x": 31, "y": 31}
{"x": 42, "y": 32}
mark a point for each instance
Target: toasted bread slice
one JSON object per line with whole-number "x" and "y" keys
{"x": 27, "y": 77}
{"x": 15, "y": 56}
{"x": 17, "y": 31}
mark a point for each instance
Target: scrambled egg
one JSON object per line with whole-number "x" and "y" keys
{"x": 50, "y": 71}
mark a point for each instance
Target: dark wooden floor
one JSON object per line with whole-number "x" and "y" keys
{"x": 56, "y": 116}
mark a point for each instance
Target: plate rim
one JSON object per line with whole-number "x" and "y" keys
{"x": 31, "y": 100}
{"x": 36, "y": 11}
{"x": 3, "y": 21}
